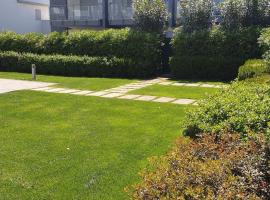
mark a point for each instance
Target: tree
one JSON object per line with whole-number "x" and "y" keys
{"x": 150, "y": 15}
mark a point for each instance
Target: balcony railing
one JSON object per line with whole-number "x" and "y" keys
{"x": 92, "y": 15}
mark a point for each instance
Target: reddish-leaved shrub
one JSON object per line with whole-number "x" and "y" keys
{"x": 211, "y": 167}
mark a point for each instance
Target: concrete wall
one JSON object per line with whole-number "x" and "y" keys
{"x": 21, "y": 17}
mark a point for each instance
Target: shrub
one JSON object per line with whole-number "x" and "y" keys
{"x": 73, "y": 65}
{"x": 213, "y": 54}
{"x": 195, "y": 14}
{"x": 143, "y": 48}
{"x": 150, "y": 16}
{"x": 242, "y": 107}
{"x": 264, "y": 41}
{"x": 210, "y": 167}
{"x": 253, "y": 68}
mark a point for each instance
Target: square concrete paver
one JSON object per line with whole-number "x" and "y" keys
{"x": 69, "y": 91}
{"x": 146, "y": 98}
{"x": 56, "y": 90}
{"x": 84, "y": 92}
{"x": 164, "y": 99}
{"x": 98, "y": 94}
{"x": 129, "y": 96}
{"x": 179, "y": 84}
{"x": 193, "y": 84}
{"x": 43, "y": 89}
{"x": 165, "y": 83}
{"x": 184, "y": 101}
{"x": 112, "y": 95}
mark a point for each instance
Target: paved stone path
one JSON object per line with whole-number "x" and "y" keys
{"x": 192, "y": 84}
{"x": 8, "y": 85}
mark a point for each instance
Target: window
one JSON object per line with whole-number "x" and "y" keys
{"x": 38, "y": 14}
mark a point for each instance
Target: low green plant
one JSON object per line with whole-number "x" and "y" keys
{"x": 210, "y": 167}
{"x": 242, "y": 107}
{"x": 73, "y": 65}
{"x": 253, "y": 68}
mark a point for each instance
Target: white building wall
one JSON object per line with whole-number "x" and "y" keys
{"x": 21, "y": 17}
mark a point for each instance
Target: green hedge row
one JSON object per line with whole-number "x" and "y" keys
{"x": 253, "y": 68}
{"x": 143, "y": 48}
{"x": 73, "y": 65}
{"x": 213, "y": 54}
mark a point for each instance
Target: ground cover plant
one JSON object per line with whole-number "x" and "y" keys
{"x": 83, "y": 83}
{"x": 176, "y": 91}
{"x": 57, "y": 146}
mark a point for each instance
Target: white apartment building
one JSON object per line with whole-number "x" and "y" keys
{"x": 24, "y": 16}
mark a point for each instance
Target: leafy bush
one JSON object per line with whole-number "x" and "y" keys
{"x": 143, "y": 48}
{"x": 210, "y": 167}
{"x": 253, "y": 68}
{"x": 150, "y": 16}
{"x": 242, "y": 107}
{"x": 213, "y": 54}
{"x": 264, "y": 41}
{"x": 240, "y": 13}
{"x": 195, "y": 14}
{"x": 73, "y": 65}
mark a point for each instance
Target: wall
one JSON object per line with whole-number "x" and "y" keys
{"x": 21, "y": 17}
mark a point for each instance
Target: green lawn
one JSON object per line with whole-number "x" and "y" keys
{"x": 176, "y": 91}
{"x": 60, "y": 146}
{"x": 72, "y": 82}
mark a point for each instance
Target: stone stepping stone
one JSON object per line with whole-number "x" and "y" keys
{"x": 69, "y": 91}
{"x": 56, "y": 90}
{"x": 130, "y": 96}
{"x": 146, "y": 98}
{"x": 84, "y": 92}
{"x": 98, "y": 94}
{"x": 179, "y": 84}
{"x": 165, "y": 83}
{"x": 112, "y": 95}
{"x": 42, "y": 89}
{"x": 164, "y": 99}
{"x": 184, "y": 101}
{"x": 193, "y": 84}
{"x": 207, "y": 85}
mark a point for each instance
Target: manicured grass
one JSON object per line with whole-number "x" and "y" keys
{"x": 60, "y": 146}
{"x": 72, "y": 82}
{"x": 176, "y": 91}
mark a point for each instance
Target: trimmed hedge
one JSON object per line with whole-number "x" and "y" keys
{"x": 143, "y": 48}
{"x": 243, "y": 107}
{"x": 253, "y": 68}
{"x": 213, "y": 54}
{"x": 73, "y": 65}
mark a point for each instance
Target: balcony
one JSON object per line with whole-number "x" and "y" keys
{"x": 118, "y": 14}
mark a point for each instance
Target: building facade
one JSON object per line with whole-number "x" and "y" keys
{"x": 68, "y": 14}
{"x": 24, "y": 16}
